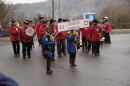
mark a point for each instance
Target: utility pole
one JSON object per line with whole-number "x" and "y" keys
{"x": 53, "y": 9}
{"x": 59, "y": 10}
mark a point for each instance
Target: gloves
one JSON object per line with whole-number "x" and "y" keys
{"x": 75, "y": 41}
{"x": 17, "y": 29}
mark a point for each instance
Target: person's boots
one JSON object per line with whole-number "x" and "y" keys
{"x": 73, "y": 62}
{"x": 49, "y": 71}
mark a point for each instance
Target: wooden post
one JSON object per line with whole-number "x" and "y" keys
{"x": 53, "y": 9}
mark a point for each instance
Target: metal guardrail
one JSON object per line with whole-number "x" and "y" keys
{"x": 121, "y": 26}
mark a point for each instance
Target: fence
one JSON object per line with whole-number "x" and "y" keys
{"x": 121, "y": 26}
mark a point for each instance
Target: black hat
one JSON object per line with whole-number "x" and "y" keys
{"x": 13, "y": 21}
{"x": 51, "y": 21}
{"x": 30, "y": 20}
{"x": 27, "y": 19}
{"x": 59, "y": 20}
{"x": 41, "y": 17}
{"x": 26, "y": 22}
{"x": 95, "y": 20}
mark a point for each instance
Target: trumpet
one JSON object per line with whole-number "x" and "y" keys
{"x": 81, "y": 43}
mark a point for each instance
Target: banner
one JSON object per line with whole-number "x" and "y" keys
{"x": 73, "y": 25}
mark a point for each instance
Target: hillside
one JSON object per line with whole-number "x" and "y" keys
{"x": 69, "y": 8}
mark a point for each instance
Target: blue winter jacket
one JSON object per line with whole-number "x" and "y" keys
{"x": 47, "y": 44}
{"x": 6, "y": 81}
{"x": 71, "y": 47}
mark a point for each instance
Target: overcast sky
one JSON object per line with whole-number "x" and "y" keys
{"x": 22, "y": 1}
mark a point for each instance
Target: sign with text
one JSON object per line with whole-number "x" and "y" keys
{"x": 73, "y": 25}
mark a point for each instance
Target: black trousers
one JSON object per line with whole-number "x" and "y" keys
{"x": 96, "y": 46}
{"x": 61, "y": 46}
{"x": 107, "y": 38}
{"x": 26, "y": 47}
{"x": 53, "y": 51}
{"x": 48, "y": 64}
{"x": 83, "y": 42}
{"x": 32, "y": 42}
{"x": 72, "y": 56}
{"x": 39, "y": 41}
{"x": 88, "y": 44}
{"x": 16, "y": 47}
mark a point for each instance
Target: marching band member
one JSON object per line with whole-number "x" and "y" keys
{"x": 95, "y": 36}
{"x": 47, "y": 49}
{"x": 42, "y": 30}
{"x": 26, "y": 40}
{"x": 38, "y": 25}
{"x": 88, "y": 42}
{"x": 32, "y": 26}
{"x": 60, "y": 38}
{"x": 108, "y": 29}
{"x": 72, "y": 41}
{"x": 83, "y": 36}
{"x": 51, "y": 25}
{"x": 15, "y": 37}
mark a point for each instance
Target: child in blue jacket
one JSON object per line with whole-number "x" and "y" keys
{"x": 72, "y": 41}
{"x": 6, "y": 81}
{"x": 47, "y": 42}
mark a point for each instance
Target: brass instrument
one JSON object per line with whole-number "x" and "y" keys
{"x": 81, "y": 44}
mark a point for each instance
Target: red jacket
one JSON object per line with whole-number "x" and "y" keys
{"x": 83, "y": 32}
{"x": 32, "y": 26}
{"x": 87, "y": 33}
{"x": 61, "y": 35}
{"x": 25, "y": 37}
{"x": 42, "y": 31}
{"x": 107, "y": 27}
{"x": 14, "y": 33}
{"x": 38, "y": 26}
{"x": 95, "y": 33}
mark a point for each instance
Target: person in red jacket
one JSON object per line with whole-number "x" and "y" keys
{"x": 82, "y": 30}
{"x": 95, "y": 36}
{"x": 108, "y": 29}
{"x": 60, "y": 38}
{"x": 87, "y": 41}
{"x": 42, "y": 30}
{"x": 26, "y": 40}
{"x": 38, "y": 25}
{"x": 15, "y": 37}
{"x": 32, "y": 26}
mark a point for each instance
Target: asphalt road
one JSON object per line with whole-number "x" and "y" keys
{"x": 111, "y": 68}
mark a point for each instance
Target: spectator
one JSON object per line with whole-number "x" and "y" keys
{"x": 1, "y": 30}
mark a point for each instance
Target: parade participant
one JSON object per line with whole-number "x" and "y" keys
{"x": 15, "y": 37}
{"x": 38, "y": 25}
{"x": 6, "y": 81}
{"x": 42, "y": 30}
{"x": 60, "y": 38}
{"x": 51, "y": 25}
{"x": 32, "y": 26}
{"x": 47, "y": 49}
{"x": 95, "y": 36}
{"x": 1, "y": 30}
{"x": 72, "y": 41}
{"x": 82, "y": 30}
{"x": 87, "y": 41}
{"x": 108, "y": 29}
{"x": 26, "y": 40}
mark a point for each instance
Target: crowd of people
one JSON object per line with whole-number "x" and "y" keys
{"x": 48, "y": 36}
